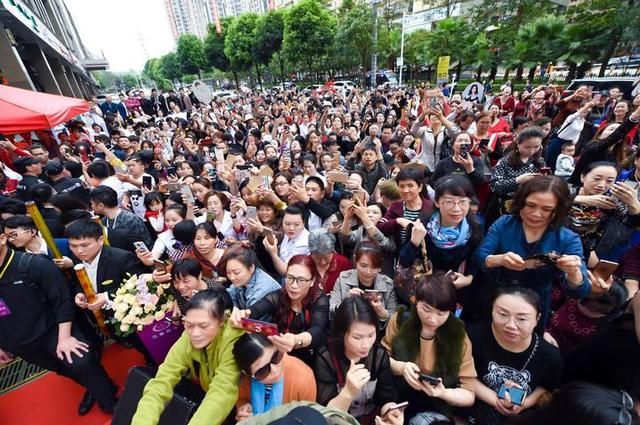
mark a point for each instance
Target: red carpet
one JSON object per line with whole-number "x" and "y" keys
{"x": 54, "y": 400}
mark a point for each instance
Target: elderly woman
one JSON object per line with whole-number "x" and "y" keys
{"x": 330, "y": 264}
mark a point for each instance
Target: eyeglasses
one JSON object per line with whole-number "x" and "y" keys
{"x": 281, "y": 183}
{"x": 625, "y": 413}
{"x": 265, "y": 370}
{"x": 14, "y": 235}
{"x": 300, "y": 281}
{"x": 505, "y": 318}
{"x": 450, "y": 203}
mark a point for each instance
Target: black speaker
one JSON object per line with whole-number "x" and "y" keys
{"x": 187, "y": 396}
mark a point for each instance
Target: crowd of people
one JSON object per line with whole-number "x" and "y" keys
{"x": 477, "y": 258}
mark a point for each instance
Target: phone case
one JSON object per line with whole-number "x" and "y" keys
{"x": 256, "y": 326}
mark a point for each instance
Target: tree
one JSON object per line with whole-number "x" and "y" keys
{"x": 106, "y": 80}
{"x": 214, "y": 46}
{"x": 170, "y": 66}
{"x": 129, "y": 80}
{"x": 500, "y": 20}
{"x": 238, "y": 43}
{"x": 308, "y": 29}
{"x": 452, "y": 37}
{"x": 607, "y": 26}
{"x": 190, "y": 53}
{"x": 540, "y": 42}
{"x": 353, "y": 34}
{"x": 269, "y": 33}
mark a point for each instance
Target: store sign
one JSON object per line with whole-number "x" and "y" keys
{"x": 443, "y": 68}
{"x": 22, "y": 12}
{"x": 426, "y": 18}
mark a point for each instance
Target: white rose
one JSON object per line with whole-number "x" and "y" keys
{"x": 119, "y": 315}
{"x": 124, "y": 327}
{"x": 140, "y": 327}
{"x": 159, "y": 315}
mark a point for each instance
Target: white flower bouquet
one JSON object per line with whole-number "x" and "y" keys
{"x": 140, "y": 301}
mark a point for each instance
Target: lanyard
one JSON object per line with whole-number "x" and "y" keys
{"x": 6, "y": 266}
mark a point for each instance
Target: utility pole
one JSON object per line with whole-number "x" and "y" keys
{"x": 401, "y": 62}
{"x": 374, "y": 37}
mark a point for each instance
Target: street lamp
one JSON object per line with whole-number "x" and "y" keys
{"x": 374, "y": 37}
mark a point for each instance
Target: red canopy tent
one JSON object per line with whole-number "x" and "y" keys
{"x": 26, "y": 110}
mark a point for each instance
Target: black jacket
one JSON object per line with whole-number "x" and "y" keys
{"x": 113, "y": 266}
{"x": 37, "y": 297}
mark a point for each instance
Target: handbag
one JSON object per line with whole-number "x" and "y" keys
{"x": 406, "y": 279}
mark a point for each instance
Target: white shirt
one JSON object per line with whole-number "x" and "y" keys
{"x": 42, "y": 250}
{"x": 571, "y": 128}
{"x": 115, "y": 184}
{"x": 92, "y": 271}
{"x": 295, "y": 246}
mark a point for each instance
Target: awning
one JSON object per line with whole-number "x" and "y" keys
{"x": 26, "y": 110}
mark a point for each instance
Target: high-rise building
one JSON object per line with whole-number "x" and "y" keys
{"x": 40, "y": 49}
{"x": 195, "y": 16}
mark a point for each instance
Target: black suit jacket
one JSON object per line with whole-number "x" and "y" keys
{"x": 114, "y": 264}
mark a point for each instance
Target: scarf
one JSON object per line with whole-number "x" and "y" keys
{"x": 258, "y": 392}
{"x": 447, "y": 237}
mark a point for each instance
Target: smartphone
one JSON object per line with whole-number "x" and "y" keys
{"x": 596, "y": 97}
{"x": 269, "y": 234}
{"x": 370, "y": 294}
{"x": 429, "y": 379}
{"x": 160, "y": 265}
{"x": 219, "y": 155}
{"x": 464, "y": 150}
{"x": 604, "y": 269}
{"x": 210, "y": 217}
{"x": 252, "y": 212}
{"x": 545, "y": 171}
{"x": 517, "y": 395}
{"x": 186, "y": 191}
{"x": 433, "y": 102}
{"x": 171, "y": 171}
{"x": 213, "y": 174}
{"x": 264, "y": 182}
{"x": 399, "y": 406}
{"x": 338, "y": 176}
{"x": 259, "y": 327}
{"x": 173, "y": 187}
{"x": 359, "y": 198}
{"x": 140, "y": 246}
{"x": 484, "y": 143}
{"x": 336, "y": 160}
{"x": 147, "y": 182}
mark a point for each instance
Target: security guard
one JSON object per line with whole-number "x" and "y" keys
{"x": 36, "y": 315}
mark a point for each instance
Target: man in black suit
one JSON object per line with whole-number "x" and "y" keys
{"x": 106, "y": 267}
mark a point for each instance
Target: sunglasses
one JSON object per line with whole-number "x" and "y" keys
{"x": 265, "y": 370}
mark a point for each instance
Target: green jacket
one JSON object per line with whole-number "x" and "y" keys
{"x": 219, "y": 376}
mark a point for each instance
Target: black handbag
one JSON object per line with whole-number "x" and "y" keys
{"x": 187, "y": 396}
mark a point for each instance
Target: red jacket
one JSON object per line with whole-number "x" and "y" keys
{"x": 389, "y": 225}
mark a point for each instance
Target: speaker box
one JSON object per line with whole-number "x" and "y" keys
{"x": 187, "y": 396}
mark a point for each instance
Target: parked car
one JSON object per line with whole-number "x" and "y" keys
{"x": 629, "y": 86}
{"x": 344, "y": 86}
{"x": 307, "y": 90}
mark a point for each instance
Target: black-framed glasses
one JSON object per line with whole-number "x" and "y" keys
{"x": 625, "y": 413}
{"x": 265, "y": 370}
{"x": 300, "y": 281}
